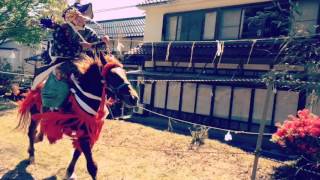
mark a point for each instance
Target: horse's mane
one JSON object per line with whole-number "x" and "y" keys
{"x": 90, "y": 71}
{"x": 112, "y": 60}
{"x": 85, "y": 63}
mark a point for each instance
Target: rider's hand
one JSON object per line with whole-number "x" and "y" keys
{"x": 86, "y": 45}
{"x": 106, "y": 39}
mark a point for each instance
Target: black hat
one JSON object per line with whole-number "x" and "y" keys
{"x": 84, "y": 9}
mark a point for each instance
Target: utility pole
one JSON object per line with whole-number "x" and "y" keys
{"x": 261, "y": 129}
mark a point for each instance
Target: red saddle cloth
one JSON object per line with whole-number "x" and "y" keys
{"x": 77, "y": 124}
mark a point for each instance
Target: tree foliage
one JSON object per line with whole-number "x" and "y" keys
{"x": 300, "y": 46}
{"x": 300, "y": 133}
{"x": 270, "y": 21}
{"x": 19, "y": 19}
{"x": 5, "y": 78}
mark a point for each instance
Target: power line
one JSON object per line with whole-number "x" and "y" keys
{"x": 118, "y": 8}
{"x": 115, "y": 8}
{"x": 247, "y": 80}
{"x": 215, "y": 41}
{"x": 210, "y": 127}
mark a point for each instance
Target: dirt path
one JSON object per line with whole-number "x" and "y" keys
{"x": 127, "y": 151}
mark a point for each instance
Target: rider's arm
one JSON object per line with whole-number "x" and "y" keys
{"x": 93, "y": 38}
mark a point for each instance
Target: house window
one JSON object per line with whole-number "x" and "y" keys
{"x": 253, "y": 21}
{"x": 229, "y": 23}
{"x": 209, "y": 26}
{"x": 307, "y": 21}
{"x": 184, "y": 26}
{"x": 173, "y": 28}
{"x": 265, "y": 21}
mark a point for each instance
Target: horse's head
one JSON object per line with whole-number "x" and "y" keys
{"x": 118, "y": 84}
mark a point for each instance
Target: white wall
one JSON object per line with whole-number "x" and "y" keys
{"x": 9, "y": 55}
{"x": 22, "y": 52}
{"x": 147, "y": 93}
{"x": 160, "y": 94}
{"x": 287, "y": 104}
{"x": 188, "y": 97}
{"x": 154, "y": 14}
{"x": 222, "y": 102}
{"x": 174, "y": 95}
{"x": 259, "y": 101}
{"x": 241, "y": 104}
{"x": 204, "y": 100}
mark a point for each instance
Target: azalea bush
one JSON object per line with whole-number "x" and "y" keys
{"x": 301, "y": 135}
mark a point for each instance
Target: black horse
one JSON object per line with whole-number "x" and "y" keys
{"x": 94, "y": 89}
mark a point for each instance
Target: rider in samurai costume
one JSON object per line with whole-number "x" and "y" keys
{"x": 71, "y": 41}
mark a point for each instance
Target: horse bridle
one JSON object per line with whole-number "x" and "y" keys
{"x": 116, "y": 90}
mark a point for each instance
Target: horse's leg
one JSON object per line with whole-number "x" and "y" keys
{"x": 39, "y": 137}
{"x": 91, "y": 165}
{"x": 72, "y": 164}
{"x": 32, "y": 131}
{"x": 31, "y": 134}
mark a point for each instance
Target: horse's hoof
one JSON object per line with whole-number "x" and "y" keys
{"x": 73, "y": 176}
{"x": 31, "y": 160}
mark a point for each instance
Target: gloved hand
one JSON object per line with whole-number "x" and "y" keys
{"x": 48, "y": 23}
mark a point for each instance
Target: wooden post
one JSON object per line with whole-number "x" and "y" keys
{"x": 261, "y": 130}
{"x": 140, "y": 80}
{"x": 313, "y": 100}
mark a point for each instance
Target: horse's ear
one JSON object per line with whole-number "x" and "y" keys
{"x": 109, "y": 59}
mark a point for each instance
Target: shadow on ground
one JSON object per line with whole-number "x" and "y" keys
{"x": 297, "y": 170}
{"x": 19, "y": 172}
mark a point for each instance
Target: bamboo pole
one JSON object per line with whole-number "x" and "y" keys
{"x": 261, "y": 130}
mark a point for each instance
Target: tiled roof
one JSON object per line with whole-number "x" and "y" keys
{"x": 152, "y": 2}
{"x": 129, "y": 27}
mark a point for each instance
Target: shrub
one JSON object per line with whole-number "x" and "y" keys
{"x": 301, "y": 135}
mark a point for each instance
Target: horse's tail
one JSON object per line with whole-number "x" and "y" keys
{"x": 32, "y": 100}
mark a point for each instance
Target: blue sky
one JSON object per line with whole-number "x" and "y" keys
{"x": 101, "y": 12}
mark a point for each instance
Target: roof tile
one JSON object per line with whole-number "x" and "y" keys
{"x": 129, "y": 27}
{"x": 152, "y": 2}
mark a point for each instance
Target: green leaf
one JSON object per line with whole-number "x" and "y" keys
{"x": 16, "y": 22}
{"x": 296, "y": 9}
